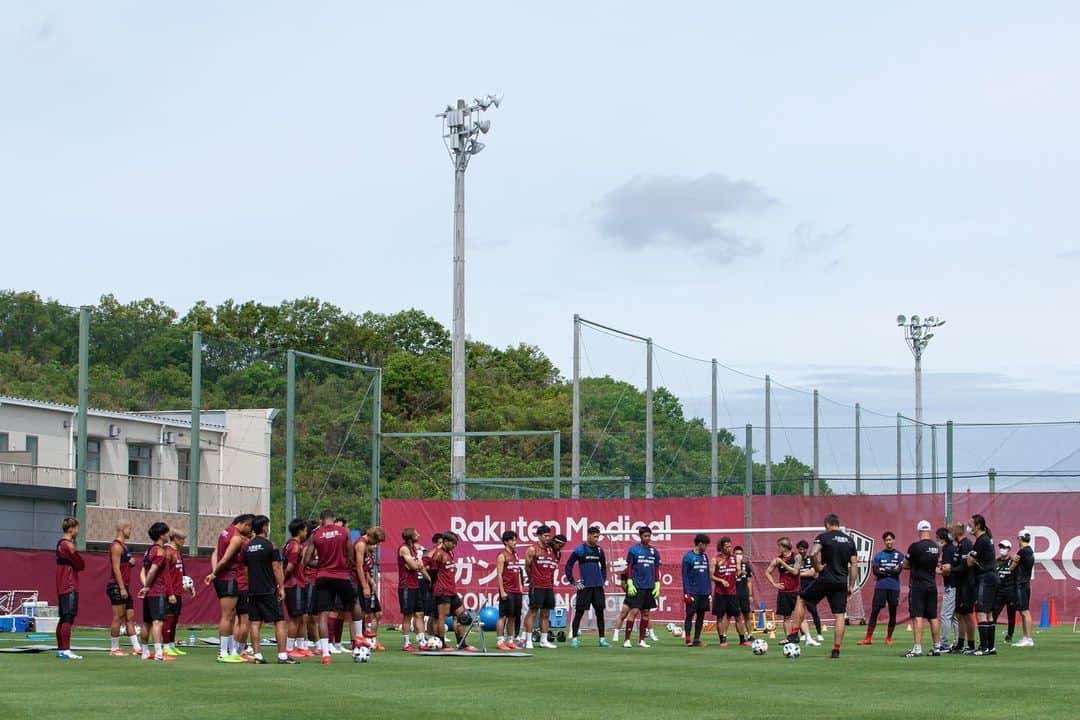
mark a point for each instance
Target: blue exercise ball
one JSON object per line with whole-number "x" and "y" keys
{"x": 449, "y": 622}
{"x": 489, "y": 616}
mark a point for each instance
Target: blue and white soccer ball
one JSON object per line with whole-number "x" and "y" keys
{"x": 759, "y": 647}
{"x": 433, "y": 643}
{"x": 187, "y": 583}
{"x": 792, "y": 650}
{"x": 361, "y": 655}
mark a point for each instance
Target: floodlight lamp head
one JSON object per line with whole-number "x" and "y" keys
{"x": 901, "y": 320}
{"x": 484, "y": 103}
{"x": 939, "y": 322}
{"x": 926, "y": 338}
{"x": 484, "y": 126}
{"x": 475, "y": 147}
{"x": 496, "y": 100}
{"x": 915, "y": 320}
{"x": 930, "y": 320}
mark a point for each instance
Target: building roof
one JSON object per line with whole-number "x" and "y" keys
{"x": 148, "y": 418}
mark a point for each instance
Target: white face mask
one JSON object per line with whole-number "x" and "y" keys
{"x": 1003, "y": 551}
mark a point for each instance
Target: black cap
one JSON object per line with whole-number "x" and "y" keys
{"x": 560, "y": 538}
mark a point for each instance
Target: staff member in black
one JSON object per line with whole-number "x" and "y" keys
{"x": 984, "y": 567}
{"x": 1025, "y": 565}
{"x": 837, "y": 564}
{"x": 1005, "y": 599}
{"x": 954, "y": 567}
{"x": 922, "y": 560}
{"x": 266, "y": 588}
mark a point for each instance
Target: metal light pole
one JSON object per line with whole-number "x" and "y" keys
{"x": 917, "y": 334}
{"x": 462, "y": 127}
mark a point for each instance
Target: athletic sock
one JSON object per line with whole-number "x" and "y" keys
{"x": 134, "y": 639}
{"x": 282, "y": 656}
{"x": 114, "y": 643}
{"x": 992, "y": 636}
{"x": 357, "y": 630}
{"x": 224, "y": 645}
{"x": 157, "y": 649}
{"x": 629, "y": 629}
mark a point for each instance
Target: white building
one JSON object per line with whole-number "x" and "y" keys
{"x": 138, "y": 465}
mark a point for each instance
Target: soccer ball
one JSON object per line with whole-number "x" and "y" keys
{"x": 433, "y": 643}
{"x": 759, "y": 647}
{"x": 188, "y": 583}
{"x": 361, "y": 655}
{"x": 769, "y": 626}
{"x": 792, "y": 650}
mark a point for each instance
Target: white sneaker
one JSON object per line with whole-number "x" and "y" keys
{"x": 643, "y": 644}
{"x": 529, "y": 644}
{"x": 1024, "y": 642}
{"x": 820, "y": 639}
{"x": 615, "y": 637}
{"x": 652, "y": 635}
{"x": 336, "y": 650}
{"x": 628, "y": 644}
{"x": 548, "y": 645}
{"x": 811, "y": 641}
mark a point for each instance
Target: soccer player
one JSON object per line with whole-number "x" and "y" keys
{"x": 241, "y": 644}
{"x": 744, "y": 589}
{"x": 292, "y": 558}
{"x": 948, "y": 593}
{"x": 807, "y": 575}
{"x": 331, "y": 542}
{"x": 69, "y": 563}
{"x": 696, "y": 584}
{"x": 174, "y": 586}
{"x": 955, "y": 568}
{"x": 427, "y": 583}
{"x": 589, "y": 556}
{"x": 266, "y": 589}
{"x": 724, "y": 568}
{"x": 154, "y": 593}
{"x": 886, "y": 567}
{"x": 619, "y": 566}
{"x": 1005, "y": 598}
{"x": 923, "y": 557}
{"x": 642, "y": 584}
{"x": 509, "y": 572}
{"x": 118, "y": 588}
{"x": 787, "y": 565}
{"x": 410, "y": 567}
{"x": 447, "y": 601}
{"x": 226, "y": 556}
{"x": 835, "y": 560}
{"x": 541, "y": 563}
{"x": 1025, "y": 565}
{"x": 984, "y": 568}
{"x": 311, "y": 616}
{"x": 365, "y": 631}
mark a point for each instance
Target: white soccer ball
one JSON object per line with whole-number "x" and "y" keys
{"x": 433, "y": 643}
{"x": 361, "y": 655}
{"x": 759, "y": 647}
{"x": 792, "y": 650}
{"x": 188, "y": 583}
{"x": 770, "y": 626}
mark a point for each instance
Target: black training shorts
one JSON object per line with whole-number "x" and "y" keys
{"x": 1023, "y": 596}
{"x": 113, "y": 591}
{"x": 409, "y": 600}
{"x": 510, "y": 606}
{"x": 153, "y": 608}
{"x": 886, "y": 597}
{"x": 174, "y": 608}
{"x": 785, "y": 603}
{"x": 922, "y": 601}
{"x": 243, "y": 602}
{"x": 965, "y": 598}
{"x": 454, "y": 601}
{"x": 699, "y": 604}
{"x": 726, "y": 605}
{"x": 331, "y": 593}
{"x": 427, "y": 598}
{"x": 226, "y": 588}
{"x": 265, "y": 608}
{"x": 69, "y": 606}
{"x": 642, "y": 601}
{"x": 309, "y": 599}
{"x": 296, "y": 601}
{"x": 541, "y": 599}
{"x": 370, "y": 604}
{"x": 985, "y": 592}
{"x": 836, "y": 593}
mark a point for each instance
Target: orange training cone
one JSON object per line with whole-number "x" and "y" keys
{"x": 1053, "y": 612}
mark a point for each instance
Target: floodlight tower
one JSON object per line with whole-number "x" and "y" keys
{"x": 462, "y": 128}
{"x": 917, "y": 334}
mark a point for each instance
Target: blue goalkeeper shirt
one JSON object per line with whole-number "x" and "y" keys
{"x": 643, "y": 565}
{"x": 593, "y": 565}
{"x": 695, "y": 574}
{"x": 887, "y": 566}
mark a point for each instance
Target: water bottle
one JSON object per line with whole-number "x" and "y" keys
{"x": 191, "y": 639}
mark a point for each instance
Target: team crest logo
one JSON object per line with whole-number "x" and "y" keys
{"x": 864, "y": 548}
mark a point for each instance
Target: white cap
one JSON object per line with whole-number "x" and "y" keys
{"x": 1005, "y": 544}
{"x": 923, "y": 526}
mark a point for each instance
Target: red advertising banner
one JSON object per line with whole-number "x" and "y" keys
{"x": 1053, "y": 519}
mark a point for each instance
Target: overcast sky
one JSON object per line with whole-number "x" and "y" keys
{"x": 765, "y": 183}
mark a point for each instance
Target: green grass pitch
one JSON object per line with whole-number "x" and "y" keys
{"x": 665, "y": 681}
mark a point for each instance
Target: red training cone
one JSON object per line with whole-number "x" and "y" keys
{"x": 1053, "y": 612}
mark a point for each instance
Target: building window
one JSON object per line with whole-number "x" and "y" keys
{"x": 139, "y": 482}
{"x": 3, "y": 442}
{"x": 32, "y": 447}
{"x": 93, "y": 455}
{"x": 183, "y": 476}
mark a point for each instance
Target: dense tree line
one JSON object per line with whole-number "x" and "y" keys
{"x": 140, "y": 355}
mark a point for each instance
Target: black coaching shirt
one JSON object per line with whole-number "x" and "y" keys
{"x": 948, "y": 551}
{"x": 985, "y": 560}
{"x": 1026, "y": 566}
{"x": 837, "y": 549}
{"x": 923, "y": 559}
{"x": 259, "y": 558}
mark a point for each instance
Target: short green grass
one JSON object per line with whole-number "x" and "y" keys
{"x": 666, "y": 681}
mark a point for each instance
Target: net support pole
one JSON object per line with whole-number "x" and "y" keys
{"x": 991, "y": 478}
{"x": 376, "y": 447}
{"x": 575, "y": 427}
{"x": 948, "y": 472}
{"x": 899, "y": 451}
{"x": 858, "y": 449}
{"x": 933, "y": 460}
{"x": 714, "y": 450}
{"x": 748, "y": 488}
{"x": 768, "y": 435}
{"x": 626, "y": 488}
{"x": 817, "y": 446}
{"x": 290, "y": 437}
{"x": 649, "y": 418}
{"x": 556, "y": 471}
{"x": 81, "y": 440}
{"x": 195, "y": 464}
